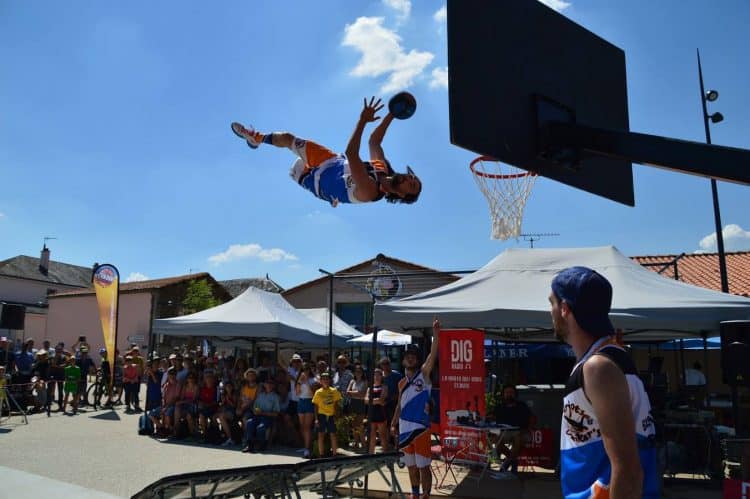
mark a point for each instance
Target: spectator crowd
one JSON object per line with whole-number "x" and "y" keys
{"x": 215, "y": 400}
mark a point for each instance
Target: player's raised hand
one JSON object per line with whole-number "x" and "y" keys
{"x": 370, "y": 110}
{"x": 436, "y": 327}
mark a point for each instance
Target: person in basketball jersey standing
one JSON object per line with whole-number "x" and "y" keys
{"x": 607, "y": 436}
{"x": 411, "y": 421}
{"x": 337, "y": 178}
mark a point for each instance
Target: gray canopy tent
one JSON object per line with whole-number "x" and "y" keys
{"x": 254, "y": 315}
{"x": 508, "y": 299}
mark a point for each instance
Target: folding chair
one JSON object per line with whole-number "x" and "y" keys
{"x": 445, "y": 451}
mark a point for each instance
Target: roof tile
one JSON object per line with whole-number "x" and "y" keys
{"x": 702, "y": 269}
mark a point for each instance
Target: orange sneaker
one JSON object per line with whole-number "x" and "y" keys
{"x": 249, "y": 134}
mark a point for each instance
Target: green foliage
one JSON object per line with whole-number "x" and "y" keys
{"x": 489, "y": 403}
{"x": 198, "y": 296}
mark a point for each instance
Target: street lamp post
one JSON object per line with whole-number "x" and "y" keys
{"x": 711, "y": 96}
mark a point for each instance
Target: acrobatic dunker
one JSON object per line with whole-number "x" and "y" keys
{"x": 344, "y": 178}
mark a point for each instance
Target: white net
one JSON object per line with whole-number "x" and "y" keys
{"x": 506, "y": 189}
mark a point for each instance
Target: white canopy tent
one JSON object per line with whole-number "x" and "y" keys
{"x": 340, "y": 328}
{"x": 509, "y": 297}
{"x": 254, "y": 315}
{"x": 385, "y": 338}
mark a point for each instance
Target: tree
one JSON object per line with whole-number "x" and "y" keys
{"x": 198, "y": 296}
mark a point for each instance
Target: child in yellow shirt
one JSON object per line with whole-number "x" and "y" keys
{"x": 325, "y": 404}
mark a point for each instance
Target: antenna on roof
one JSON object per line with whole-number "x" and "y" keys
{"x": 47, "y": 238}
{"x": 535, "y": 237}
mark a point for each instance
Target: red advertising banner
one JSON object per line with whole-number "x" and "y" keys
{"x": 537, "y": 450}
{"x": 462, "y": 402}
{"x": 733, "y": 488}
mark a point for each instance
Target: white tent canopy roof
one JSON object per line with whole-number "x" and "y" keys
{"x": 255, "y": 314}
{"x": 512, "y": 290}
{"x": 340, "y": 328}
{"x": 385, "y": 337}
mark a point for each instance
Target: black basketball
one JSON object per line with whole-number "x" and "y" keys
{"x": 402, "y": 105}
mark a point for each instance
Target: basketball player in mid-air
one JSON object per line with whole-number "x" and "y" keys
{"x": 344, "y": 178}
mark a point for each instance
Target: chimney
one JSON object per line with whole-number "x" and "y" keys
{"x": 44, "y": 260}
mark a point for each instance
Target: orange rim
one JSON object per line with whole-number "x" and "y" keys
{"x": 495, "y": 175}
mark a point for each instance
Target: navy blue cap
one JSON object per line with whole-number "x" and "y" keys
{"x": 589, "y": 296}
{"x": 414, "y": 349}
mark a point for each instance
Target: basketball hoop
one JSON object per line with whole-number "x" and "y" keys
{"x": 506, "y": 189}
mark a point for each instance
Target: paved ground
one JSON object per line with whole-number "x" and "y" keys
{"x": 101, "y": 451}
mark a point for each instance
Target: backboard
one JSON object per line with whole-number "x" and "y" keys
{"x": 508, "y": 60}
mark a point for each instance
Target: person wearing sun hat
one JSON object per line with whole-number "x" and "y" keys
{"x": 607, "y": 444}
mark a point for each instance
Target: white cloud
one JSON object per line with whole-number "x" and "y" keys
{"x": 252, "y": 250}
{"x": 441, "y": 15}
{"x": 2, "y": 215}
{"x": 439, "y": 78}
{"x": 382, "y": 54}
{"x": 558, "y": 5}
{"x": 402, "y": 8}
{"x": 137, "y": 276}
{"x": 735, "y": 239}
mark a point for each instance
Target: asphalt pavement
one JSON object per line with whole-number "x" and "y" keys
{"x": 102, "y": 451}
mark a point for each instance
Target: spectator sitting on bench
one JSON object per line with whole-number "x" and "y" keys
{"x": 265, "y": 410}
{"x": 513, "y": 412}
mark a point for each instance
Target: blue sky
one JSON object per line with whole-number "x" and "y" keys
{"x": 114, "y": 134}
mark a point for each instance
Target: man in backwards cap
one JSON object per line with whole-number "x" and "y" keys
{"x": 606, "y": 444}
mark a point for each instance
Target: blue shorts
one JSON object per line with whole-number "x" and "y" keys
{"x": 188, "y": 408}
{"x": 304, "y": 406}
{"x": 155, "y": 412}
{"x": 326, "y": 424}
{"x": 207, "y": 411}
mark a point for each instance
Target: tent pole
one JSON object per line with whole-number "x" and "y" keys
{"x": 705, "y": 358}
{"x": 276, "y": 363}
{"x": 372, "y": 365}
{"x": 330, "y": 315}
{"x": 682, "y": 362}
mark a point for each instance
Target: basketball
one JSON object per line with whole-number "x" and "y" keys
{"x": 402, "y": 105}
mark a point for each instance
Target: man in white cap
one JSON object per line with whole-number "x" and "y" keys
{"x": 293, "y": 369}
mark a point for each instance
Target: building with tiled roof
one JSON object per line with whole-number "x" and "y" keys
{"x": 26, "y": 280}
{"x": 356, "y": 287}
{"x": 236, "y": 287}
{"x": 702, "y": 269}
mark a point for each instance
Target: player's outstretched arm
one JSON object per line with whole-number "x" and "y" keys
{"x": 366, "y": 186}
{"x": 376, "y": 138}
{"x": 429, "y": 362}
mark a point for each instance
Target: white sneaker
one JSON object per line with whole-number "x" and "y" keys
{"x": 249, "y": 134}
{"x": 228, "y": 443}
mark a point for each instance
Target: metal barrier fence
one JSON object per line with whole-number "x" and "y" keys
{"x": 321, "y": 476}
